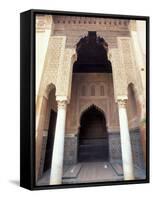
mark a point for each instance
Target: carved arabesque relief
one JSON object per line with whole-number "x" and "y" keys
{"x": 64, "y": 78}
{"x": 52, "y": 62}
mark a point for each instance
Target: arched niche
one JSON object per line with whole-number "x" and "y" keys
{"x": 95, "y": 105}
{"x": 93, "y": 137}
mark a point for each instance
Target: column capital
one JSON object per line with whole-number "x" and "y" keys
{"x": 122, "y": 102}
{"x": 61, "y": 104}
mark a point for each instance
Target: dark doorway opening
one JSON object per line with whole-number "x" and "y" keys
{"x": 93, "y": 137}
{"x": 50, "y": 141}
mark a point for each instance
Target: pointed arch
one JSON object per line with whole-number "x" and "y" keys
{"x": 88, "y": 106}
{"x": 48, "y": 89}
{"x": 93, "y": 136}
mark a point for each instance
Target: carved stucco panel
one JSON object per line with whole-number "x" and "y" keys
{"x": 125, "y": 50}
{"x": 44, "y": 22}
{"x": 119, "y": 74}
{"x": 129, "y": 62}
{"x": 65, "y": 73}
{"x": 52, "y": 62}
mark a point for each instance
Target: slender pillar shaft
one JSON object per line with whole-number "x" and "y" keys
{"x": 58, "y": 148}
{"x": 125, "y": 142}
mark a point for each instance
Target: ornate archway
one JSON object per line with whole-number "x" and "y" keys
{"x": 93, "y": 137}
{"x": 92, "y": 55}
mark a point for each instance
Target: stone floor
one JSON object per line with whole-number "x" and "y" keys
{"x": 86, "y": 172}
{"x": 95, "y": 172}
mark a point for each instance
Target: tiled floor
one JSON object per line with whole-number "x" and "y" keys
{"x": 95, "y": 172}
{"x": 85, "y": 172}
{"x": 91, "y": 172}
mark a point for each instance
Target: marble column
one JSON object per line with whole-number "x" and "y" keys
{"x": 58, "y": 148}
{"x": 126, "y": 148}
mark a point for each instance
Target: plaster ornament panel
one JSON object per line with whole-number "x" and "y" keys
{"x": 65, "y": 73}
{"x": 125, "y": 49}
{"x": 43, "y": 28}
{"x": 93, "y": 77}
{"x": 119, "y": 74}
{"x": 128, "y": 59}
{"x": 52, "y": 62}
{"x": 75, "y": 28}
{"x": 103, "y": 23}
{"x": 44, "y": 22}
